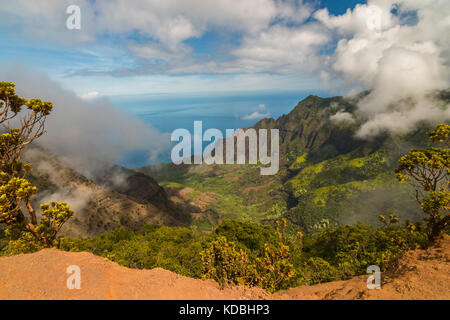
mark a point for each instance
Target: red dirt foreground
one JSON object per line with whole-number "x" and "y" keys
{"x": 419, "y": 274}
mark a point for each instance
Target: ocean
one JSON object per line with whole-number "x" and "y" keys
{"x": 167, "y": 112}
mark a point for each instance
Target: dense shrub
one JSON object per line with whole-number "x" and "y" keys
{"x": 251, "y": 254}
{"x": 272, "y": 267}
{"x": 250, "y": 235}
{"x": 172, "y": 248}
{"x": 226, "y": 264}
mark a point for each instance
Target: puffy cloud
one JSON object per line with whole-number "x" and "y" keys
{"x": 47, "y": 20}
{"x": 163, "y": 26}
{"x": 169, "y": 21}
{"x": 375, "y": 16}
{"x": 341, "y": 117}
{"x": 398, "y": 49}
{"x": 401, "y": 58}
{"x": 282, "y": 49}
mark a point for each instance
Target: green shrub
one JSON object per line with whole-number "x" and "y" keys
{"x": 251, "y": 254}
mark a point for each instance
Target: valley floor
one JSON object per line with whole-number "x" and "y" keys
{"x": 419, "y": 274}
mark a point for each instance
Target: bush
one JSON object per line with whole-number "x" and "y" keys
{"x": 271, "y": 269}
{"x": 227, "y": 265}
{"x": 317, "y": 270}
{"x": 247, "y": 235}
{"x": 254, "y": 255}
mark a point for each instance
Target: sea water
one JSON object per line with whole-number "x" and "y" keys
{"x": 167, "y": 112}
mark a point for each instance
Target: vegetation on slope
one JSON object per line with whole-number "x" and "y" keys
{"x": 26, "y": 231}
{"x": 252, "y": 254}
{"x": 311, "y": 193}
{"x": 327, "y": 176}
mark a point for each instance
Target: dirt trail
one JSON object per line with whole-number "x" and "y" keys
{"x": 420, "y": 274}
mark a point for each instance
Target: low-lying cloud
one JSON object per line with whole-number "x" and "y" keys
{"x": 256, "y": 115}
{"x": 90, "y": 136}
{"x": 342, "y": 117}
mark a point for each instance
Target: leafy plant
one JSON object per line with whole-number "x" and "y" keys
{"x": 226, "y": 264}
{"x": 429, "y": 171}
{"x": 26, "y": 233}
{"x": 275, "y": 267}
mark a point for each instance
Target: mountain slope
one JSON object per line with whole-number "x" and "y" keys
{"x": 327, "y": 175}
{"x": 120, "y": 197}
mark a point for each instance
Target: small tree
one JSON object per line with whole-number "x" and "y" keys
{"x": 26, "y": 231}
{"x": 224, "y": 263}
{"x": 428, "y": 170}
{"x": 275, "y": 267}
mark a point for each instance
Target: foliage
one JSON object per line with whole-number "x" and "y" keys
{"x": 248, "y": 235}
{"x": 266, "y": 257}
{"x": 346, "y": 189}
{"x": 350, "y": 249}
{"x": 271, "y": 269}
{"x": 275, "y": 267}
{"x": 316, "y": 270}
{"x": 17, "y": 214}
{"x": 172, "y": 248}
{"x": 440, "y": 134}
{"x": 429, "y": 171}
{"x": 226, "y": 264}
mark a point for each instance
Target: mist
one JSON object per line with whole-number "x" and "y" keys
{"x": 399, "y": 51}
{"x": 90, "y": 136}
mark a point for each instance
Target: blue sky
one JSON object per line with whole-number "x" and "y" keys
{"x": 232, "y": 62}
{"x": 119, "y": 60}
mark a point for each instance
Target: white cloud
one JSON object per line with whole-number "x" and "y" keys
{"x": 88, "y": 135}
{"x": 256, "y": 115}
{"x": 282, "y": 49}
{"x": 374, "y": 16}
{"x": 341, "y": 117}
{"x": 401, "y": 63}
{"x": 91, "y": 95}
{"x": 165, "y": 25}
{"x": 396, "y": 54}
{"x": 169, "y": 21}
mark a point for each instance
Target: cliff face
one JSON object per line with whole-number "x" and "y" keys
{"x": 309, "y": 127}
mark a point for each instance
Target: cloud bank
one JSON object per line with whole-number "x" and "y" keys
{"x": 401, "y": 58}
{"x": 90, "y": 136}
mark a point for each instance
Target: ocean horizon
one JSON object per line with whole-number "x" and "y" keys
{"x": 168, "y": 112}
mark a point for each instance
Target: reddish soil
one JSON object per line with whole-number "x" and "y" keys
{"x": 420, "y": 274}
{"x": 184, "y": 195}
{"x": 42, "y": 275}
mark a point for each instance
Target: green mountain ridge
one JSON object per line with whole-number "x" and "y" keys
{"x": 327, "y": 175}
